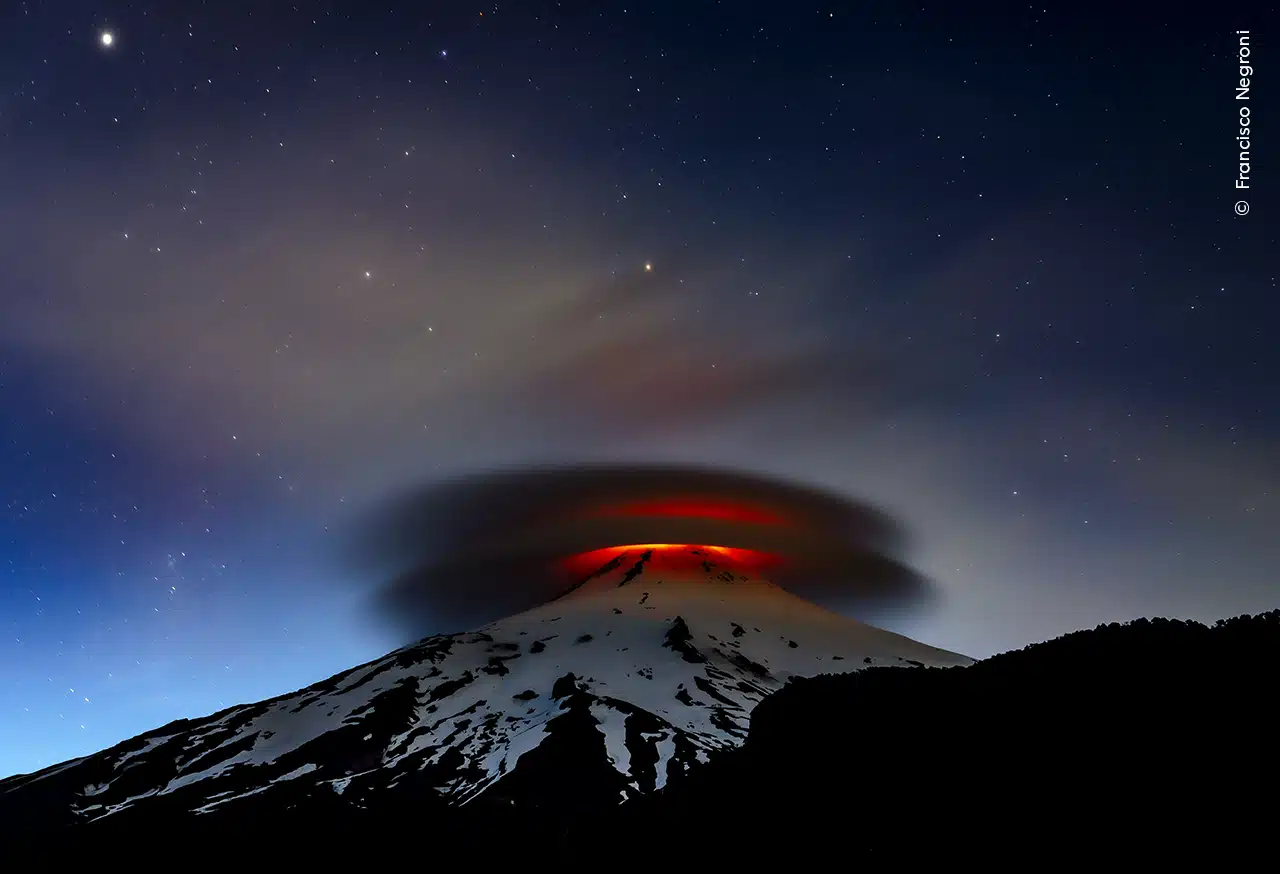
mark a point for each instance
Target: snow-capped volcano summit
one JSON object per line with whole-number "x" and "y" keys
{"x": 655, "y": 658}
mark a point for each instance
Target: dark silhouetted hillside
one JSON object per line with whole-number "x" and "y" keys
{"x": 1154, "y": 735}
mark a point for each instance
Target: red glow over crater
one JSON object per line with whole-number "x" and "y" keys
{"x": 667, "y": 555}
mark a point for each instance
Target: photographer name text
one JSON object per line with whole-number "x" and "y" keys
{"x": 1244, "y": 139}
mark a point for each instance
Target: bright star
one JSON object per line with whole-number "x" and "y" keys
{"x": 107, "y": 37}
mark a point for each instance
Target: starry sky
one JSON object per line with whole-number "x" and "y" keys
{"x": 263, "y": 265}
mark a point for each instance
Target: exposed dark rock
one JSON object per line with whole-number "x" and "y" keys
{"x": 448, "y": 687}
{"x": 565, "y": 686}
{"x": 680, "y": 639}
{"x": 744, "y": 663}
{"x": 497, "y": 665}
{"x": 636, "y": 569}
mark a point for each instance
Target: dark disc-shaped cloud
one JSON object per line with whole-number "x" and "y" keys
{"x": 460, "y": 553}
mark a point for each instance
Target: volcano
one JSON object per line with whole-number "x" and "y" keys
{"x": 651, "y": 661}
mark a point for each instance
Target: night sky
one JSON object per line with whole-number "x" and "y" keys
{"x": 263, "y": 265}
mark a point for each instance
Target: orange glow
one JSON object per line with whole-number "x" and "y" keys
{"x": 696, "y": 509}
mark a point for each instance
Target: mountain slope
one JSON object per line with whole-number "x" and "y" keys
{"x": 654, "y": 661}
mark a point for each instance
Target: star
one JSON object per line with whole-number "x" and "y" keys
{"x": 648, "y": 268}
{"x": 107, "y": 38}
